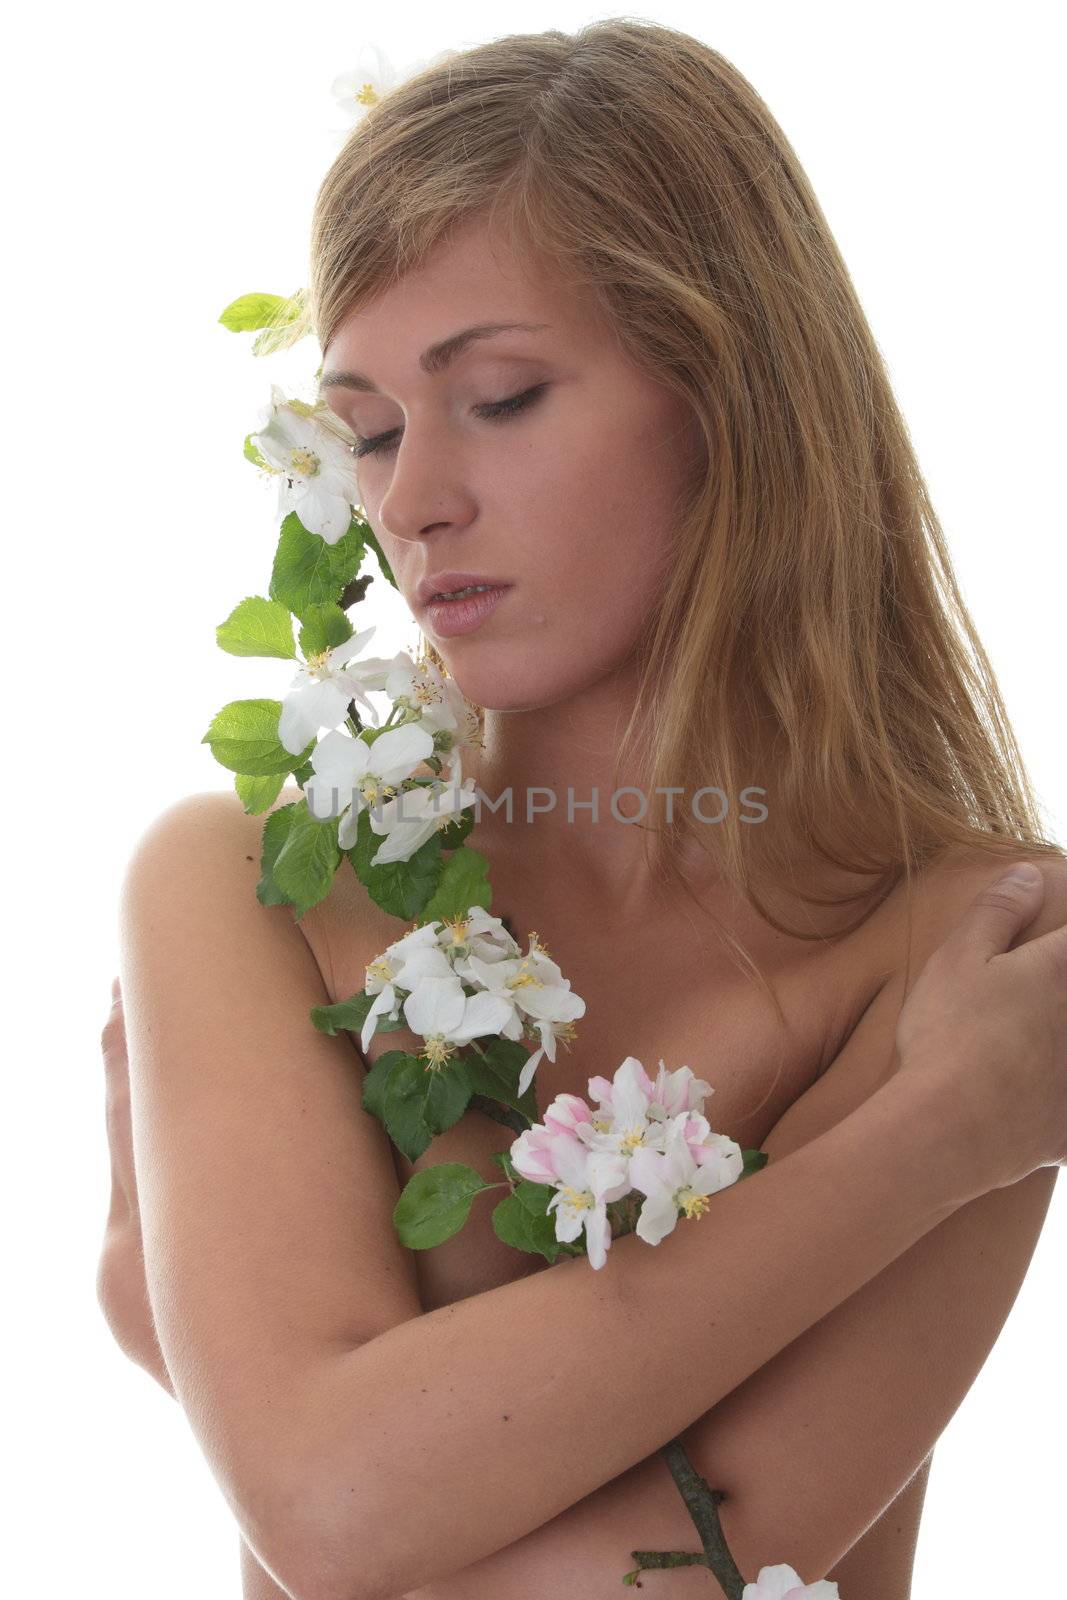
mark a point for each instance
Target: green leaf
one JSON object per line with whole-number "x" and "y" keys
{"x": 435, "y": 1203}
{"x": 386, "y": 569}
{"x": 244, "y": 737}
{"x": 258, "y": 794}
{"x": 453, "y": 835}
{"x": 252, "y": 453}
{"x": 350, "y": 1015}
{"x": 302, "y": 773}
{"x": 534, "y": 1197}
{"x": 275, "y": 832}
{"x": 462, "y": 884}
{"x": 306, "y": 863}
{"x": 403, "y": 1106}
{"x": 324, "y": 627}
{"x": 281, "y": 336}
{"x": 401, "y": 888}
{"x": 309, "y": 572}
{"x": 496, "y": 1074}
{"x": 257, "y": 627}
{"x": 503, "y": 1159}
{"x": 518, "y": 1226}
{"x": 752, "y": 1161}
{"x": 374, "y": 1084}
{"x": 448, "y": 1095}
{"x": 251, "y": 311}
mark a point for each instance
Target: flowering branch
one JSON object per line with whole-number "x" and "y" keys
{"x": 638, "y": 1159}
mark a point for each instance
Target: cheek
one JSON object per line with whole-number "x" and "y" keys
{"x": 604, "y": 518}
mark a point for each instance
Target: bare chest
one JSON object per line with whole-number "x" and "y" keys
{"x": 671, "y": 992}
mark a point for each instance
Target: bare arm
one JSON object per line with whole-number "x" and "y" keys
{"x": 493, "y": 1414}
{"x": 288, "y": 1313}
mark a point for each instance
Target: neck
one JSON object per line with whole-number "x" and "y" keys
{"x": 558, "y": 764}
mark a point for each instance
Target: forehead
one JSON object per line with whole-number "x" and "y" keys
{"x": 470, "y": 276}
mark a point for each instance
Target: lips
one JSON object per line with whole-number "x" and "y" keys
{"x": 436, "y": 583}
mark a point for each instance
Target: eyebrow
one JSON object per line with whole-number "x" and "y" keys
{"x": 436, "y": 357}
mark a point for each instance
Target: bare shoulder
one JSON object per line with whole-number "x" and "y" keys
{"x": 215, "y": 821}
{"x": 266, "y": 1188}
{"x": 948, "y": 886}
{"x": 863, "y": 1054}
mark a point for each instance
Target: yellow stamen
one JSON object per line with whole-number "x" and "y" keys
{"x": 537, "y": 948}
{"x": 303, "y": 461}
{"x": 693, "y": 1204}
{"x": 437, "y": 1051}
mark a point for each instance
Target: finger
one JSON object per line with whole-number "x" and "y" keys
{"x": 999, "y": 912}
{"x": 116, "y": 990}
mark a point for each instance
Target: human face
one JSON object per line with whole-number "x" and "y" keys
{"x": 567, "y": 499}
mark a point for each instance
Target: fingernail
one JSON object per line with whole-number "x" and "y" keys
{"x": 1025, "y": 873}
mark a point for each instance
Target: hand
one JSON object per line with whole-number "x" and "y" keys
{"x": 989, "y": 1026}
{"x": 125, "y": 1210}
{"x": 121, "y": 1286}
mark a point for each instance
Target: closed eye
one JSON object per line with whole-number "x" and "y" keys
{"x": 381, "y": 443}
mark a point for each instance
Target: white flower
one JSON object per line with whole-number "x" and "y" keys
{"x": 351, "y": 775}
{"x": 627, "y": 1119}
{"x": 395, "y": 969}
{"x": 317, "y": 469}
{"x": 438, "y": 1009}
{"x": 674, "y": 1183}
{"x": 670, "y": 1093}
{"x": 441, "y": 702}
{"x": 433, "y": 950}
{"x": 363, "y": 85}
{"x": 372, "y": 78}
{"x": 320, "y": 693}
{"x": 410, "y": 818}
{"x": 478, "y": 934}
{"x": 535, "y": 986}
{"x": 782, "y": 1583}
{"x": 587, "y": 1180}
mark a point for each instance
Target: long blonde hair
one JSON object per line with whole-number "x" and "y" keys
{"x": 812, "y": 639}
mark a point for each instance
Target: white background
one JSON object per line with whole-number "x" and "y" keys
{"x": 161, "y": 163}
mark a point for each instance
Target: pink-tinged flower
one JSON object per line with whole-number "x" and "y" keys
{"x": 782, "y": 1583}
{"x": 675, "y": 1183}
{"x": 567, "y": 1116}
{"x": 531, "y": 1154}
{"x": 603, "y": 1089}
{"x": 623, "y": 1123}
{"x": 678, "y": 1091}
{"x": 585, "y": 1181}
{"x": 588, "y": 1180}
{"x": 667, "y": 1094}
{"x": 568, "y": 1113}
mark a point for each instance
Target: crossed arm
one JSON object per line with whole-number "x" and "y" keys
{"x": 291, "y": 1327}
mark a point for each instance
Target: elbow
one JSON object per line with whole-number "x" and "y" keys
{"x": 321, "y": 1547}
{"x": 760, "y": 1536}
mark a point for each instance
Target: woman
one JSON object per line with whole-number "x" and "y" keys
{"x": 590, "y": 333}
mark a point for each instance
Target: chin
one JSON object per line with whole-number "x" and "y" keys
{"x": 515, "y": 686}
